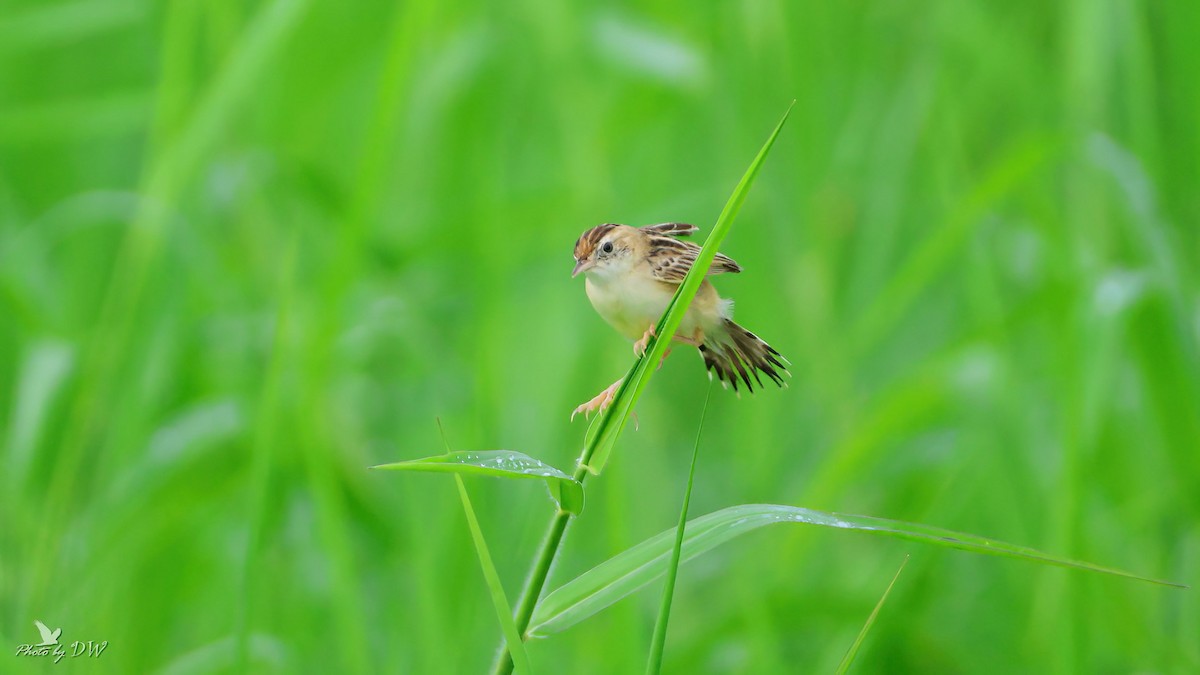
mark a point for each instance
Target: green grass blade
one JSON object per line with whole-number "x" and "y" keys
{"x": 516, "y": 648}
{"x": 654, "y": 663}
{"x": 625, "y": 573}
{"x": 600, "y": 444}
{"x": 848, "y": 659}
{"x": 565, "y": 490}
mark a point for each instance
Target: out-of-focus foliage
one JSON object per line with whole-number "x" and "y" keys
{"x": 248, "y": 249}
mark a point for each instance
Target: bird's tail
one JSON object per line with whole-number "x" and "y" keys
{"x": 738, "y": 353}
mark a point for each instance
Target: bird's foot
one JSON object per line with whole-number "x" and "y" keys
{"x": 600, "y": 402}
{"x": 639, "y": 347}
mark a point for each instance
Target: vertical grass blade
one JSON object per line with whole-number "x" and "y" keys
{"x": 599, "y": 446}
{"x": 512, "y": 637}
{"x": 848, "y": 659}
{"x": 262, "y": 460}
{"x": 654, "y": 663}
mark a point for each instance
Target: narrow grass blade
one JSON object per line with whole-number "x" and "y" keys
{"x": 617, "y": 577}
{"x": 848, "y": 659}
{"x": 566, "y": 491}
{"x": 600, "y": 444}
{"x": 654, "y": 663}
{"x": 516, "y": 648}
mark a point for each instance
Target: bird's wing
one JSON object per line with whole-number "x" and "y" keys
{"x": 670, "y": 229}
{"x": 47, "y": 636}
{"x": 670, "y": 259}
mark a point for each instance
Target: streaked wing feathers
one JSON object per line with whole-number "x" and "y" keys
{"x": 670, "y": 259}
{"x": 670, "y": 229}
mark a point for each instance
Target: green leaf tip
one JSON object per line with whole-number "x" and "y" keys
{"x": 565, "y": 490}
{"x": 852, "y": 653}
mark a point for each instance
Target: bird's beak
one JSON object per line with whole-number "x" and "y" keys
{"x": 581, "y": 266}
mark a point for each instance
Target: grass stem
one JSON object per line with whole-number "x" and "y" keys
{"x": 541, "y": 569}
{"x": 658, "y": 643}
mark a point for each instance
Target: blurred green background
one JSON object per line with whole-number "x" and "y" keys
{"x": 249, "y": 249}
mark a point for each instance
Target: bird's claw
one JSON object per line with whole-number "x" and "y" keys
{"x": 639, "y": 347}
{"x": 587, "y": 408}
{"x": 599, "y": 402}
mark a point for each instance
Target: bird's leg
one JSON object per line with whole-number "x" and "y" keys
{"x": 639, "y": 347}
{"x": 604, "y": 398}
{"x": 696, "y": 339}
{"x": 600, "y": 402}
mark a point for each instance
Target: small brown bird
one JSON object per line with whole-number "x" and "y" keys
{"x": 632, "y": 273}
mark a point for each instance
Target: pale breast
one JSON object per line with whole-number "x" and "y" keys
{"x": 630, "y": 303}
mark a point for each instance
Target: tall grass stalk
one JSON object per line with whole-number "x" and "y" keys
{"x": 654, "y": 663}
{"x": 265, "y": 444}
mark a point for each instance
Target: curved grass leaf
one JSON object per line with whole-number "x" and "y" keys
{"x": 566, "y": 491}
{"x": 598, "y": 445}
{"x": 617, "y": 577}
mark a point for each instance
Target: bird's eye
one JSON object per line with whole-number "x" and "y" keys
{"x": 607, "y": 247}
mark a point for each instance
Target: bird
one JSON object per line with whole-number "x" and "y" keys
{"x": 49, "y": 639}
{"x": 631, "y": 274}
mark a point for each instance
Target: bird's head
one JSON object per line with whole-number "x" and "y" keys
{"x": 604, "y": 249}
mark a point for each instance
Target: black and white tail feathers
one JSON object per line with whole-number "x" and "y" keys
{"x": 741, "y": 354}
